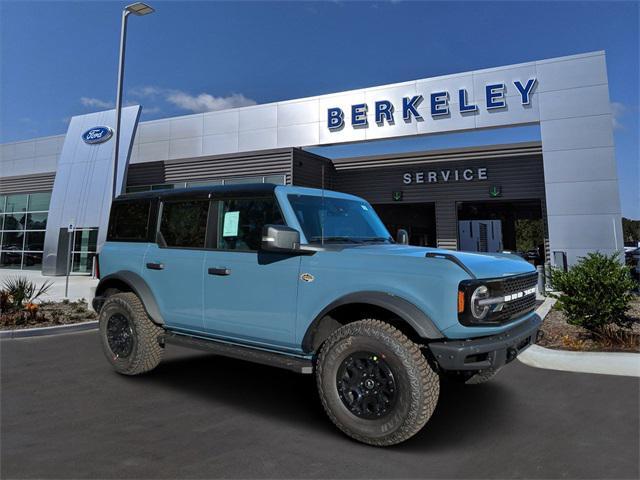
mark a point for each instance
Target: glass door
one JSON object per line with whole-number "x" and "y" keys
{"x": 85, "y": 244}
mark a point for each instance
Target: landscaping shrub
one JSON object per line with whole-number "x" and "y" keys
{"x": 595, "y": 293}
{"x": 20, "y": 293}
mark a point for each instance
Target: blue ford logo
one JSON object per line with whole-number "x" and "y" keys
{"x": 97, "y": 135}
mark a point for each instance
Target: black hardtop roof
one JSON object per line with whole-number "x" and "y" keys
{"x": 215, "y": 190}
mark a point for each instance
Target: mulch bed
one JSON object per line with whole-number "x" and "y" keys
{"x": 49, "y": 314}
{"x": 559, "y": 335}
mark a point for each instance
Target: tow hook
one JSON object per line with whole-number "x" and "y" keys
{"x": 511, "y": 354}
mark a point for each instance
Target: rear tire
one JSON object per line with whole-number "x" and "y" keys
{"x": 375, "y": 384}
{"x": 129, "y": 337}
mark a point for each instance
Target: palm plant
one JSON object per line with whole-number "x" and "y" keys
{"x": 21, "y": 291}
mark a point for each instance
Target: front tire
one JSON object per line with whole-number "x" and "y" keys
{"x": 129, "y": 337}
{"x": 375, "y": 384}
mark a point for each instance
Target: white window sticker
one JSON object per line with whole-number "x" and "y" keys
{"x": 364, "y": 207}
{"x": 230, "y": 227}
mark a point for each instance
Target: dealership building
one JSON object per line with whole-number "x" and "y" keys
{"x": 557, "y": 196}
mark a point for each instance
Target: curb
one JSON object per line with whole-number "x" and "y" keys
{"x": 55, "y": 330}
{"x": 607, "y": 363}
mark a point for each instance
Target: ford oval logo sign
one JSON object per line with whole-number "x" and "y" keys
{"x": 97, "y": 135}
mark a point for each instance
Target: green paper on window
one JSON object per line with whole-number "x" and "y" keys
{"x": 230, "y": 227}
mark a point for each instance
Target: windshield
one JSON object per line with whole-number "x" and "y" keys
{"x": 338, "y": 220}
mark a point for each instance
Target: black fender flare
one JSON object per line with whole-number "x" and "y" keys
{"x": 137, "y": 284}
{"x": 404, "y": 309}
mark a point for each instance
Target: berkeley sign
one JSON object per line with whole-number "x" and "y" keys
{"x": 384, "y": 110}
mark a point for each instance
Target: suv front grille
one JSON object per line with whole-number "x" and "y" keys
{"x": 519, "y": 283}
{"x": 520, "y": 306}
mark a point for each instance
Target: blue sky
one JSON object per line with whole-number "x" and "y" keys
{"x": 59, "y": 59}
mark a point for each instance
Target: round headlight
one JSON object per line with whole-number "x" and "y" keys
{"x": 477, "y": 310}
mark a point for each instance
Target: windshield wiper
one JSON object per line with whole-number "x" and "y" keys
{"x": 336, "y": 239}
{"x": 377, "y": 239}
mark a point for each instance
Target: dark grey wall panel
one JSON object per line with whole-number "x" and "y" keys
{"x": 268, "y": 162}
{"x": 307, "y": 170}
{"x": 150, "y": 173}
{"x": 40, "y": 182}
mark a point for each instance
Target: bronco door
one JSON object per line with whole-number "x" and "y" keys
{"x": 173, "y": 266}
{"x": 249, "y": 295}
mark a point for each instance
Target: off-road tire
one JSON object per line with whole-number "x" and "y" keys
{"x": 418, "y": 386}
{"x": 482, "y": 377}
{"x": 146, "y": 352}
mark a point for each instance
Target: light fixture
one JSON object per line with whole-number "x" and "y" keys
{"x": 139, "y": 9}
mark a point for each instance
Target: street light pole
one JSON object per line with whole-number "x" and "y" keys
{"x": 137, "y": 9}
{"x": 123, "y": 41}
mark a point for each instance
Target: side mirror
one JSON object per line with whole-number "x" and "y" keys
{"x": 403, "y": 237}
{"x": 280, "y": 238}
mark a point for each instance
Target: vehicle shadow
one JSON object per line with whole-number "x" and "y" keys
{"x": 292, "y": 398}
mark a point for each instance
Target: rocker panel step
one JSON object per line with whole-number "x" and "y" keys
{"x": 240, "y": 352}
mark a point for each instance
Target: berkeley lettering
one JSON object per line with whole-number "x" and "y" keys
{"x": 439, "y": 105}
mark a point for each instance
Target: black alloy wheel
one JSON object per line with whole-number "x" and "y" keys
{"x": 120, "y": 335}
{"x": 366, "y": 385}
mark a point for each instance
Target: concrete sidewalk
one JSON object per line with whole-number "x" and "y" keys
{"x": 80, "y": 286}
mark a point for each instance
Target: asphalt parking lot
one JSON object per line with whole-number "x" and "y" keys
{"x": 65, "y": 414}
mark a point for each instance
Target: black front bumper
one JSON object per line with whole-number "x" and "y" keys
{"x": 486, "y": 352}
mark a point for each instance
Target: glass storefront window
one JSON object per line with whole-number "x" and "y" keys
{"x": 23, "y": 221}
{"x": 39, "y": 202}
{"x": 138, "y": 189}
{"x": 277, "y": 179}
{"x": 12, "y": 241}
{"x": 37, "y": 221}
{"x": 32, "y": 261}
{"x": 14, "y": 221}
{"x": 10, "y": 259}
{"x": 205, "y": 183}
{"x": 34, "y": 241}
{"x": 16, "y": 203}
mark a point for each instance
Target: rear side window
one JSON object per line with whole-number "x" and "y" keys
{"x": 184, "y": 223}
{"x": 129, "y": 221}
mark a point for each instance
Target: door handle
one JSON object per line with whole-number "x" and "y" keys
{"x": 222, "y": 271}
{"x": 155, "y": 266}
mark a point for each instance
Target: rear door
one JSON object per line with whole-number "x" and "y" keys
{"x": 173, "y": 265}
{"x": 249, "y": 295}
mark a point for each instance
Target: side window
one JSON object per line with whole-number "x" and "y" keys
{"x": 184, "y": 223}
{"x": 129, "y": 221}
{"x": 240, "y": 222}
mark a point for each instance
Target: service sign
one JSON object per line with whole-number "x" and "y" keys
{"x": 97, "y": 135}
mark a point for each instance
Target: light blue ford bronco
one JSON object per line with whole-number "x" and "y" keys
{"x": 309, "y": 280}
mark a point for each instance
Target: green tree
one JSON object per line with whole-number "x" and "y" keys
{"x": 630, "y": 230}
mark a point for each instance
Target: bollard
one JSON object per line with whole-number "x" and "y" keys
{"x": 547, "y": 276}
{"x": 541, "y": 279}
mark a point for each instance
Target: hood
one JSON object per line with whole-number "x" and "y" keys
{"x": 483, "y": 265}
